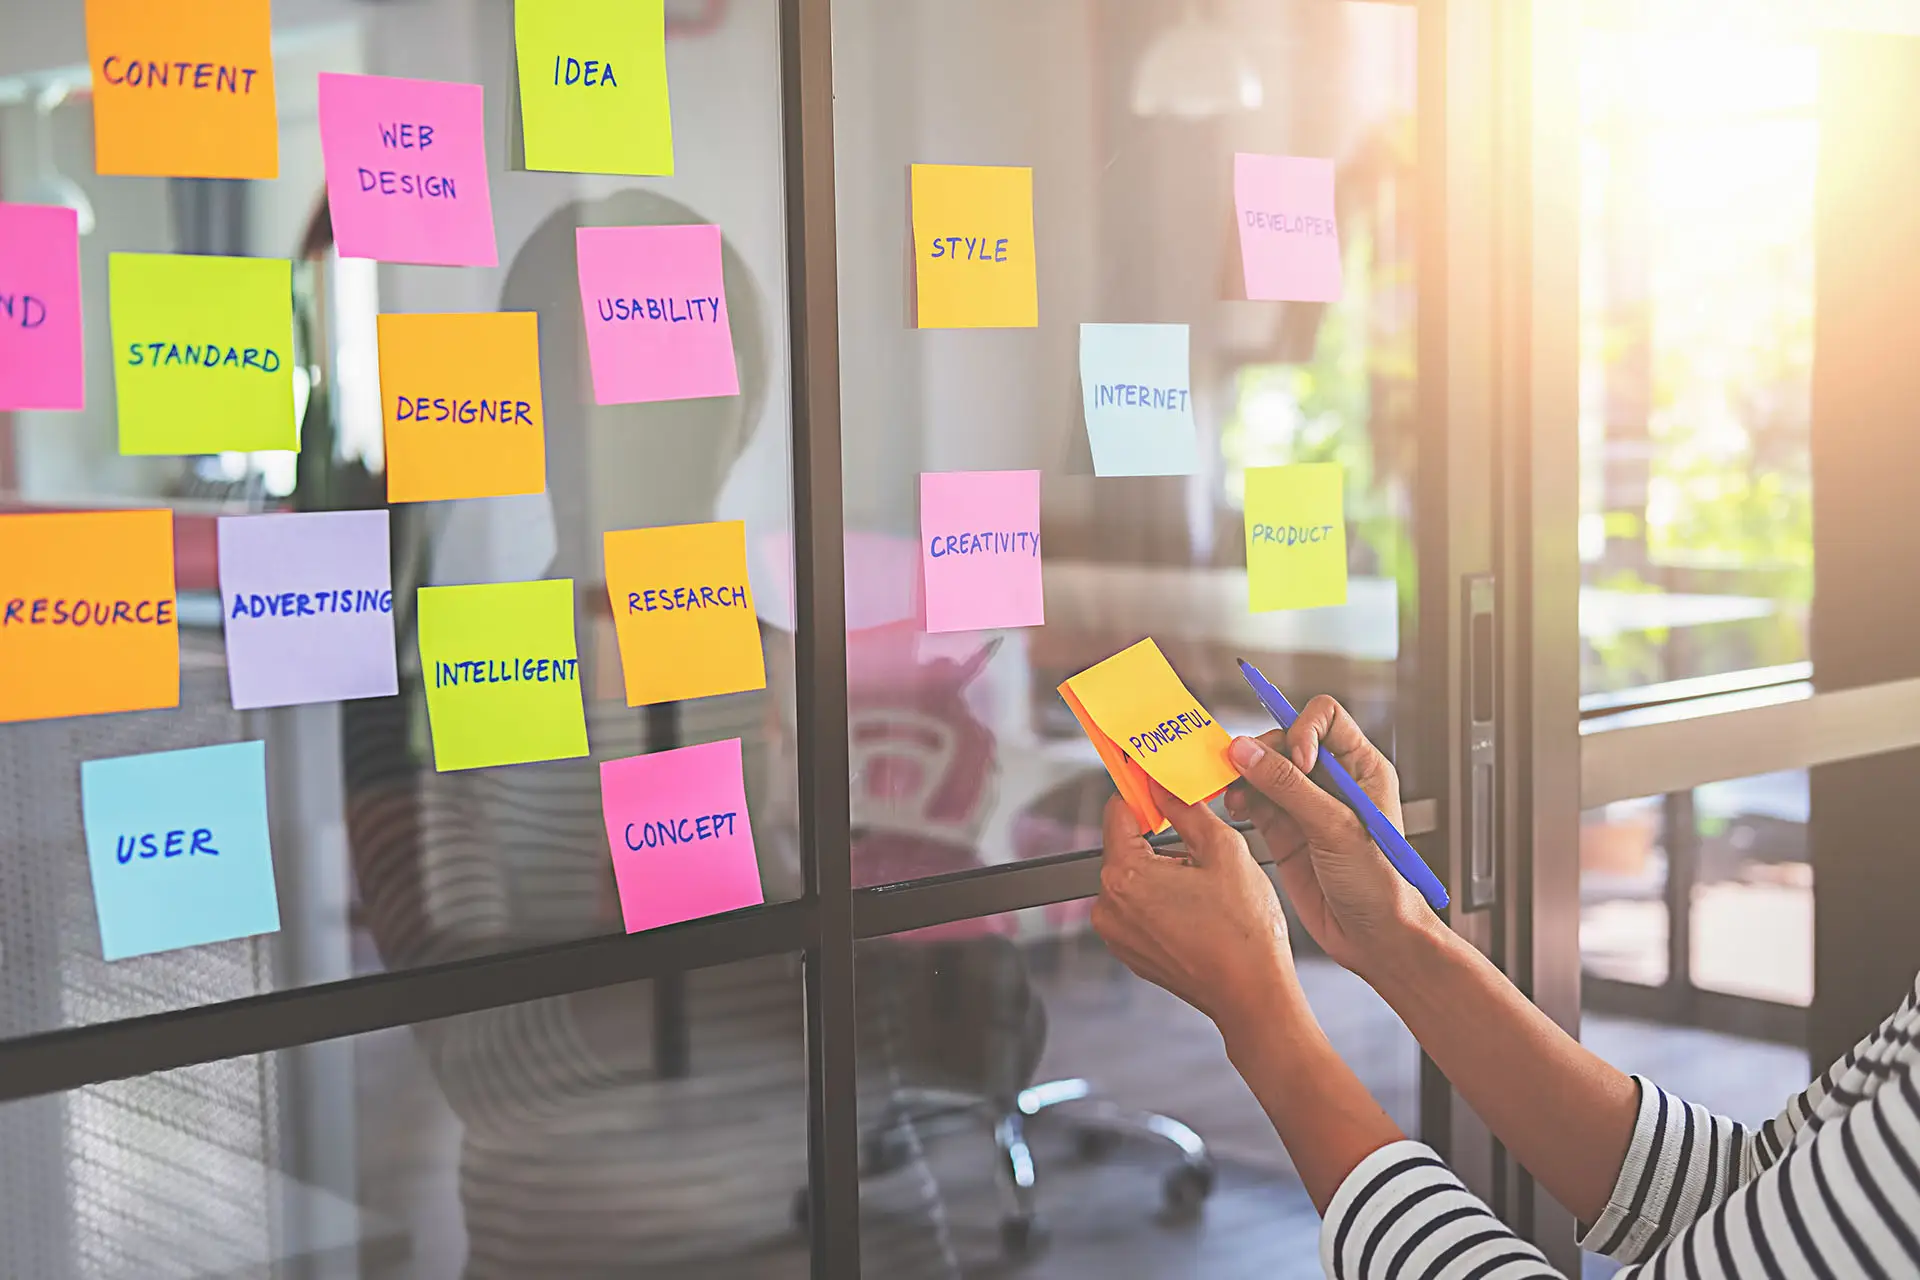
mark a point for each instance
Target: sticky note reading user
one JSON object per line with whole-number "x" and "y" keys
{"x": 87, "y": 617}
{"x": 1138, "y": 399}
{"x": 461, "y": 400}
{"x": 593, "y": 85}
{"x": 684, "y": 612}
{"x": 682, "y": 842}
{"x": 1289, "y": 237}
{"x": 502, "y": 672}
{"x": 980, "y": 548}
{"x": 1296, "y": 537}
{"x": 655, "y": 304}
{"x": 178, "y": 848}
{"x": 973, "y": 252}
{"x": 42, "y": 362}
{"x": 183, "y": 89}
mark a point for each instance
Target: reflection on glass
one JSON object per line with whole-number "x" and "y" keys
{"x": 1752, "y": 903}
{"x": 1623, "y": 885}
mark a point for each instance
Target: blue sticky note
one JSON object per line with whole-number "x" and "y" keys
{"x": 178, "y": 846}
{"x": 1139, "y": 401}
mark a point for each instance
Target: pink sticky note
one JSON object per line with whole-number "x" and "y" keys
{"x": 1289, "y": 238}
{"x": 980, "y": 549}
{"x": 41, "y": 361}
{"x": 656, "y": 310}
{"x": 682, "y": 842}
{"x": 407, "y": 170}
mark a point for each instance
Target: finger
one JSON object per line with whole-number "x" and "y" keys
{"x": 1121, "y": 839}
{"x": 1199, "y": 828}
{"x": 1324, "y": 722}
{"x": 1319, "y": 816}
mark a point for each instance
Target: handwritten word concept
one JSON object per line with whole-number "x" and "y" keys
{"x": 658, "y": 833}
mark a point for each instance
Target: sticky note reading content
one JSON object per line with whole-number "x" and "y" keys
{"x": 42, "y": 361}
{"x": 682, "y": 841}
{"x": 1296, "y": 537}
{"x": 684, "y": 612}
{"x": 655, "y": 304}
{"x": 502, "y": 672}
{"x": 980, "y": 544}
{"x": 1139, "y": 404}
{"x": 973, "y": 251}
{"x": 1289, "y": 238}
{"x": 177, "y": 843}
{"x": 460, "y": 395}
{"x": 593, "y": 85}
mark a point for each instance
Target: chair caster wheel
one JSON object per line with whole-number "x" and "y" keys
{"x": 1186, "y": 1188}
{"x": 1095, "y": 1144}
{"x": 802, "y": 1210}
{"x": 1022, "y": 1237}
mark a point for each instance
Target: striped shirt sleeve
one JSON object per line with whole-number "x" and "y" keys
{"x": 1402, "y": 1212}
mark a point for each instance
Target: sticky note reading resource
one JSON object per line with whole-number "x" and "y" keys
{"x": 593, "y": 85}
{"x": 683, "y": 611}
{"x": 1289, "y": 237}
{"x": 177, "y": 844}
{"x": 973, "y": 252}
{"x": 655, "y": 304}
{"x": 682, "y": 842}
{"x": 460, "y": 395}
{"x": 502, "y": 672}
{"x": 87, "y": 616}
{"x": 1138, "y": 399}
{"x": 1296, "y": 537}
{"x": 980, "y": 544}
{"x": 42, "y": 360}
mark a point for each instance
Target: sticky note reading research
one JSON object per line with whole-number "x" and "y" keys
{"x": 1296, "y": 537}
{"x": 592, "y": 78}
{"x": 684, "y": 612}
{"x": 41, "y": 354}
{"x": 681, "y": 836}
{"x": 1138, "y": 399}
{"x": 502, "y": 671}
{"x": 980, "y": 544}
{"x": 1289, "y": 235}
{"x": 461, "y": 403}
{"x": 973, "y": 249}
{"x": 655, "y": 305}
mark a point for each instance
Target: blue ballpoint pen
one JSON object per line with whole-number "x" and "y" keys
{"x": 1412, "y": 868}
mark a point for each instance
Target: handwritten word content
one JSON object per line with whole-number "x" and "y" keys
{"x": 983, "y": 277}
{"x": 471, "y": 671}
{"x": 1289, "y": 233}
{"x": 683, "y": 611}
{"x": 461, "y": 403}
{"x": 681, "y": 837}
{"x": 84, "y": 613}
{"x": 656, "y": 833}
{"x": 667, "y": 310}
{"x": 502, "y": 671}
{"x": 980, "y": 549}
{"x": 584, "y": 72}
{"x": 654, "y": 302}
{"x": 157, "y": 74}
{"x": 42, "y": 361}
{"x": 592, "y": 78}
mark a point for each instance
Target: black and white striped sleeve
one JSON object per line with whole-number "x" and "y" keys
{"x": 1402, "y": 1212}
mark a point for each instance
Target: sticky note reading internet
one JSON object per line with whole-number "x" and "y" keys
{"x": 1289, "y": 237}
{"x": 682, "y": 840}
{"x": 980, "y": 546}
{"x": 655, "y": 305}
{"x": 683, "y": 611}
{"x": 1137, "y": 396}
{"x": 593, "y": 85}
{"x": 1296, "y": 537}
{"x": 973, "y": 251}
{"x": 460, "y": 396}
{"x": 42, "y": 363}
{"x": 502, "y": 672}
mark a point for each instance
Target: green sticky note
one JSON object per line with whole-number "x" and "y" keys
{"x": 502, "y": 673}
{"x": 1296, "y": 537}
{"x": 202, "y": 352}
{"x": 593, "y": 85}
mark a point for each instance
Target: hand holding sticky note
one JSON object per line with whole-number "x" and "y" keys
{"x": 1296, "y": 537}
{"x": 973, "y": 251}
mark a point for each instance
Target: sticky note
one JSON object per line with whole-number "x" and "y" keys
{"x": 683, "y": 611}
{"x": 1296, "y": 537}
{"x": 1146, "y": 724}
{"x": 502, "y": 673}
{"x": 460, "y": 396}
{"x": 177, "y": 844}
{"x": 655, "y": 305}
{"x": 973, "y": 251}
{"x": 682, "y": 841}
{"x": 593, "y": 85}
{"x": 42, "y": 358}
{"x": 1138, "y": 399}
{"x": 307, "y": 599}
{"x": 406, "y": 164}
{"x": 980, "y": 547}
{"x": 183, "y": 89}
{"x": 202, "y": 352}
{"x": 1289, "y": 236}
{"x": 87, "y": 616}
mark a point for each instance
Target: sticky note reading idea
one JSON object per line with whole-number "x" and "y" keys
{"x": 183, "y": 89}
{"x": 593, "y": 85}
{"x": 973, "y": 253}
{"x": 655, "y": 303}
{"x": 684, "y": 612}
{"x": 87, "y": 617}
{"x": 1296, "y": 537}
{"x": 502, "y": 672}
{"x": 1138, "y": 401}
{"x": 682, "y": 841}
{"x": 460, "y": 395}
{"x": 1289, "y": 237}
{"x": 980, "y": 544}
{"x": 42, "y": 363}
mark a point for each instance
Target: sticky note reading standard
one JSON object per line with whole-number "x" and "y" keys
{"x": 1296, "y": 537}
{"x": 461, "y": 399}
{"x": 973, "y": 251}
{"x": 655, "y": 303}
{"x": 1289, "y": 238}
{"x": 980, "y": 544}
{"x": 41, "y": 356}
{"x": 1139, "y": 404}
{"x": 683, "y": 611}
{"x": 502, "y": 673}
{"x": 682, "y": 842}
{"x": 593, "y": 85}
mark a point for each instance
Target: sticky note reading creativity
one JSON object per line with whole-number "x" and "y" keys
{"x": 178, "y": 847}
{"x": 87, "y": 617}
{"x": 461, "y": 400}
{"x": 973, "y": 251}
{"x": 1135, "y": 388}
{"x": 1289, "y": 237}
{"x": 682, "y": 841}
{"x": 655, "y": 303}
{"x": 502, "y": 672}
{"x": 593, "y": 85}
{"x": 1296, "y": 537}
{"x": 980, "y": 545}
{"x": 42, "y": 362}
{"x": 683, "y": 611}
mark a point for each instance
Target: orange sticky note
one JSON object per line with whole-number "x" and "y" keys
{"x": 88, "y": 622}
{"x": 1145, "y": 723}
{"x": 183, "y": 89}
{"x": 683, "y": 611}
{"x": 460, "y": 397}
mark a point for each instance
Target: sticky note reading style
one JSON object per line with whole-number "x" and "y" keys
{"x": 1289, "y": 237}
{"x": 655, "y": 303}
{"x": 177, "y": 843}
{"x": 1138, "y": 399}
{"x": 593, "y": 85}
{"x": 973, "y": 252}
{"x": 1296, "y": 537}
{"x": 461, "y": 400}
{"x": 42, "y": 357}
{"x": 980, "y": 544}
{"x": 502, "y": 672}
{"x": 183, "y": 89}
{"x": 683, "y": 611}
{"x": 682, "y": 841}
{"x": 87, "y": 616}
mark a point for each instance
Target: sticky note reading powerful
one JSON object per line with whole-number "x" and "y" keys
{"x": 593, "y": 85}
{"x": 461, "y": 399}
{"x": 684, "y": 612}
{"x": 682, "y": 842}
{"x": 202, "y": 352}
{"x": 502, "y": 672}
{"x": 655, "y": 305}
{"x": 42, "y": 361}
{"x": 1296, "y": 537}
{"x": 87, "y": 617}
{"x": 980, "y": 545}
{"x": 973, "y": 251}
{"x": 1289, "y": 238}
{"x": 177, "y": 843}
{"x": 1139, "y": 403}
{"x": 183, "y": 89}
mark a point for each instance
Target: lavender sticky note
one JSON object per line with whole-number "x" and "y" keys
{"x": 980, "y": 549}
{"x": 41, "y": 355}
{"x": 655, "y": 303}
{"x": 1289, "y": 237}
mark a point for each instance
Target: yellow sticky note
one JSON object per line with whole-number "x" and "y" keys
{"x": 202, "y": 352}
{"x": 460, "y": 397}
{"x": 1144, "y": 723}
{"x": 683, "y": 611}
{"x": 593, "y": 85}
{"x": 973, "y": 250}
{"x": 1296, "y": 537}
{"x": 502, "y": 672}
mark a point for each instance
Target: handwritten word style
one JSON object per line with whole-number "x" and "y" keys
{"x": 982, "y": 249}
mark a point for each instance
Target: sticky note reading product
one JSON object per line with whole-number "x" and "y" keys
{"x": 177, "y": 843}
{"x": 655, "y": 304}
{"x": 1296, "y": 537}
{"x": 682, "y": 842}
{"x": 973, "y": 252}
{"x": 593, "y": 85}
{"x": 87, "y": 617}
{"x": 42, "y": 362}
{"x": 461, "y": 399}
{"x": 1138, "y": 399}
{"x": 980, "y": 546}
{"x": 406, "y": 168}
{"x": 684, "y": 612}
{"x": 502, "y": 672}
{"x": 183, "y": 89}
{"x": 1289, "y": 237}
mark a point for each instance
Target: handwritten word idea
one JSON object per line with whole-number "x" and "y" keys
{"x": 1296, "y": 537}
{"x": 461, "y": 400}
{"x": 588, "y": 73}
{"x": 1289, "y": 237}
{"x": 503, "y": 673}
{"x": 681, "y": 838}
{"x": 654, "y": 299}
{"x": 980, "y": 538}
{"x": 42, "y": 365}
{"x": 973, "y": 247}
{"x": 683, "y": 611}
{"x": 592, "y": 80}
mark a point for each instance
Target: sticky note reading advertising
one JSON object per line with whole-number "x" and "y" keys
{"x": 42, "y": 359}
{"x": 655, "y": 303}
{"x": 973, "y": 253}
{"x": 177, "y": 843}
{"x": 183, "y": 89}
{"x": 980, "y": 545}
{"x": 593, "y": 85}
{"x": 87, "y": 616}
{"x": 682, "y": 842}
{"x": 460, "y": 395}
{"x": 406, "y": 165}
{"x": 1296, "y": 537}
{"x": 1289, "y": 237}
{"x": 1138, "y": 399}
{"x": 683, "y": 611}
{"x": 502, "y": 672}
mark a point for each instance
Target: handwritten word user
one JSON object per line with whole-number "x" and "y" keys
{"x": 970, "y": 248}
{"x": 167, "y": 844}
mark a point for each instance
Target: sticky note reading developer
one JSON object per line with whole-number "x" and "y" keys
{"x": 502, "y": 671}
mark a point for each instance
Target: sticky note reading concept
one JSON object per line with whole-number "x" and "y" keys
{"x": 1289, "y": 237}
{"x": 684, "y": 612}
{"x": 593, "y": 85}
{"x": 1296, "y": 537}
{"x": 177, "y": 844}
{"x": 1138, "y": 399}
{"x": 682, "y": 841}
{"x": 502, "y": 672}
{"x": 655, "y": 303}
{"x": 973, "y": 251}
{"x": 980, "y": 543}
{"x": 42, "y": 359}
{"x": 461, "y": 401}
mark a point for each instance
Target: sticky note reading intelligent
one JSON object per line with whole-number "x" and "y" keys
{"x": 1137, "y": 395}
{"x": 1289, "y": 237}
{"x": 973, "y": 251}
{"x": 502, "y": 672}
{"x": 1296, "y": 537}
{"x": 42, "y": 362}
{"x": 593, "y": 85}
{"x": 655, "y": 304}
{"x": 460, "y": 395}
{"x": 980, "y": 546}
{"x": 682, "y": 841}
{"x": 684, "y": 612}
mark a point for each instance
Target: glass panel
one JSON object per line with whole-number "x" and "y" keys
{"x": 1752, "y": 901}
{"x": 1623, "y": 887}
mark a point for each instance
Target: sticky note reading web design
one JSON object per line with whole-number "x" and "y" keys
{"x": 980, "y": 547}
{"x": 973, "y": 251}
{"x": 1138, "y": 400}
{"x": 87, "y": 617}
{"x": 1289, "y": 237}
{"x": 1296, "y": 537}
{"x": 502, "y": 672}
{"x": 593, "y": 85}
{"x": 42, "y": 362}
{"x": 683, "y": 611}
{"x": 682, "y": 841}
{"x": 655, "y": 303}
{"x": 461, "y": 400}
{"x": 177, "y": 844}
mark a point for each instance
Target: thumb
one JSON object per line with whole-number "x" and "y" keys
{"x": 1322, "y": 818}
{"x": 1199, "y": 828}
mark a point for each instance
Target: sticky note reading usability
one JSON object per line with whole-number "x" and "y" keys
{"x": 683, "y": 611}
{"x": 1296, "y": 537}
{"x": 1289, "y": 238}
{"x": 41, "y": 353}
{"x": 502, "y": 672}
{"x": 1138, "y": 400}
{"x": 655, "y": 303}
{"x": 593, "y": 85}
{"x": 980, "y": 544}
{"x": 973, "y": 252}
{"x": 461, "y": 399}
{"x": 682, "y": 841}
